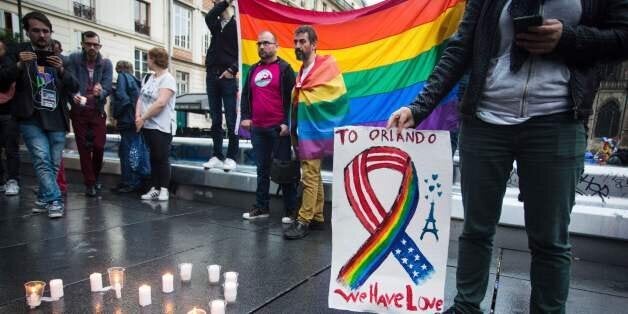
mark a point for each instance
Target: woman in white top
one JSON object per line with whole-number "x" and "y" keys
{"x": 156, "y": 118}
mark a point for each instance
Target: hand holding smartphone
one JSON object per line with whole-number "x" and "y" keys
{"x": 42, "y": 57}
{"x": 522, "y": 23}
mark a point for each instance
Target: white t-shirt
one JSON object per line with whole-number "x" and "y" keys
{"x": 166, "y": 120}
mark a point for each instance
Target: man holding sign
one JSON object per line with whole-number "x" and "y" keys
{"x": 530, "y": 92}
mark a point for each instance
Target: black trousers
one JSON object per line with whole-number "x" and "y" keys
{"x": 159, "y": 146}
{"x": 9, "y": 142}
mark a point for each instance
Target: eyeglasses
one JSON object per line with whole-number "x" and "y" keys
{"x": 95, "y": 45}
{"x": 264, "y": 43}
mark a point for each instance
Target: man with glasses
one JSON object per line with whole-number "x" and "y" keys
{"x": 41, "y": 86}
{"x": 94, "y": 74}
{"x": 222, "y": 67}
{"x": 265, "y": 112}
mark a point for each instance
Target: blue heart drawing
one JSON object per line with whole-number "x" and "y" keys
{"x": 434, "y": 176}
{"x": 438, "y": 185}
{"x": 425, "y": 180}
{"x": 440, "y": 193}
{"x": 431, "y": 188}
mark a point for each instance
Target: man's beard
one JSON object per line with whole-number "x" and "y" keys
{"x": 301, "y": 56}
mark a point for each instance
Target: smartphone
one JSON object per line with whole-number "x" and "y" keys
{"x": 42, "y": 57}
{"x": 522, "y": 23}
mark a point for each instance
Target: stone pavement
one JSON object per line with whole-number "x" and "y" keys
{"x": 276, "y": 276}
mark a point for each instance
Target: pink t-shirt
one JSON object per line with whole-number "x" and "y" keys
{"x": 266, "y": 102}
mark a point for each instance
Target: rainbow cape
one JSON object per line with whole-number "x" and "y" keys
{"x": 385, "y": 52}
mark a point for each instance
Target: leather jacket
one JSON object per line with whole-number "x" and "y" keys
{"x": 601, "y": 36}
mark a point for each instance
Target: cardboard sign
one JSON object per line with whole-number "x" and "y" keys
{"x": 391, "y": 218}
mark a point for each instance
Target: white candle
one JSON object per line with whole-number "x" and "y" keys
{"x": 167, "y": 284}
{"x": 214, "y": 273}
{"x": 118, "y": 287}
{"x": 95, "y": 281}
{"x": 231, "y": 276}
{"x": 197, "y": 311}
{"x": 145, "y": 295}
{"x": 186, "y": 271}
{"x": 56, "y": 289}
{"x": 33, "y": 300}
{"x": 217, "y": 307}
{"x": 231, "y": 291}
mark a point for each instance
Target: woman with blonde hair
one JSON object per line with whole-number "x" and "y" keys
{"x": 156, "y": 118}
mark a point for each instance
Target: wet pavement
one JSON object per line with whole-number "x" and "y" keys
{"x": 275, "y": 275}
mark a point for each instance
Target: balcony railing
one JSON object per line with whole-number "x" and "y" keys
{"x": 142, "y": 28}
{"x": 84, "y": 11}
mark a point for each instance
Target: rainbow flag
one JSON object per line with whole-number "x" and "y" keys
{"x": 385, "y": 52}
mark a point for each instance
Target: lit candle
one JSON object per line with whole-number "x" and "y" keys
{"x": 217, "y": 307}
{"x": 231, "y": 276}
{"x": 118, "y": 287}
{"x": 56, "y": 289}
{"x": 214, "y": 273}
{"x": 231, "y": 291}
{"x": 197, "y": 311}
{"x": 186, "y": 271}
{"x": 167, "y": 284}
{"x": 34, "y": 292}
{"x": 95, "y": 281}
{"x": 145, "y": 295}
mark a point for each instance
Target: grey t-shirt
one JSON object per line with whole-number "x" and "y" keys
{"x": 166, "y": 120}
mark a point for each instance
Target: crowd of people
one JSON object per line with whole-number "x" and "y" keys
{"x": 529, "y": 91}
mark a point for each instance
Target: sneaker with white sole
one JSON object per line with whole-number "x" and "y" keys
{"x": 256, "y": 213}
{"x": 40, "y": 207}
{"x": 152, "y": 194}
{"x": 213, "y": 162}
{"x": 287, "y": 220}
{"x": 229, "y": 164}
{"x": 11, "y": 188}
{"x": 164, "y": 195}
{"x": 55, "y": 209}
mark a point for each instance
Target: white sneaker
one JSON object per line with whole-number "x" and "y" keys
{"x": 229, "y": 164}
{"x": 153, "y": 194}
{"x": 287, "y": 220}
{"x": 213, "y": 162}
{"x": 163, "y": 194}
{"x": 12, "y": 188}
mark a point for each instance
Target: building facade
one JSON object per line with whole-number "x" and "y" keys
{"x": 610, "y": 110}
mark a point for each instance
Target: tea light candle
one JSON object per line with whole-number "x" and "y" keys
{"x": 167, "y": 283}
{"x": 214, "y": 273}
{"x": 95, "y": 281}
{"x": 34, "y": 292}
{"x": 118, "y": 288}
{"x": 197, "y": 311}
{"x": 186, "y": 271}
{"x": 231, "y": 276}
{"x": 217, "y": 307}
{"x": 56, "y": 289}
{"x": 145, "y": 295}
{"x": 231, "y": 291}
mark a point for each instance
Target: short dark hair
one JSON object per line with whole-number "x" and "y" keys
{"x": 309, "y": 30}
{"x": 35, "y": 15}
{"x": 159, "y": 56}
{"x": 89, "y": 34}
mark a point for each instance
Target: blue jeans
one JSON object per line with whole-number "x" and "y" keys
{"x": 46, "y": 148}
{"x": 222, "y": 92}
{"x": 129, "y": 177}
{"x": 268, "y": 144}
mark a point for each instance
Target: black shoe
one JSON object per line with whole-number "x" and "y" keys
{"x": 297, "y": 230}
{"x": 98, "y": 186}
{"x": 256, "y": 213}
{"x": 450, "y": 310}
{"x": 90, "y": 191}
{"x": 317, "y": 225}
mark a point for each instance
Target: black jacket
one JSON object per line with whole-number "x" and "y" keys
{"x": 22, "y": 106}
{"x": 287, "y": 83}
{"x": 601, "y": 36}
{"x": 222, "y": 53}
